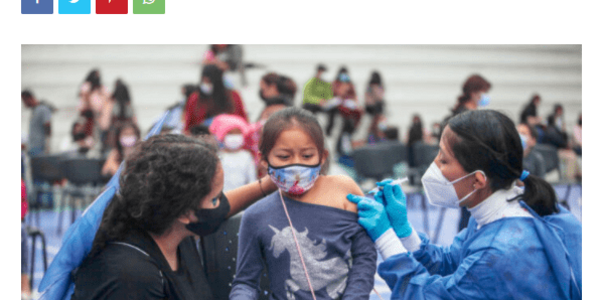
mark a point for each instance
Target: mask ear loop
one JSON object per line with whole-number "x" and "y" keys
{"x": 312, "y": 291}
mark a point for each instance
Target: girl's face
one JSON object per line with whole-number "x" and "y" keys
{"x": 452, "y": 169}
{"x": 294, "y": 146}
{"x": 343, "y": 88}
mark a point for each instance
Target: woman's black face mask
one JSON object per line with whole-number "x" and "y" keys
{"x": 209, "y": 220}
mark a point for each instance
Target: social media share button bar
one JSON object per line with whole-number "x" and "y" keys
{"x": 111, "y": 7}
{"x": 37, "y": 6}
{"x": 74, "y": 6}
{"x": 149, "y": 7}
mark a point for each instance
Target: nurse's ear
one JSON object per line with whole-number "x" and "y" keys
{"x": 481, "y": 181}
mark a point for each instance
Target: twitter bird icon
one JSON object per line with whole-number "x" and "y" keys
{"x": 78, "y": 7}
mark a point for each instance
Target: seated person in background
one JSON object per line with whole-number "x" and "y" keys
{"x": 277, "y": 92}
{"x": 127, "y": 134}
{"x": 532, "y": 160}
{"x": 553, "y": 136}
{"x": 316, "y": 91}
{"x": 577, "y": 145}
{"x": 81, "y": 144}
{"x": 376, "y": 130}
{"x": 212, "y": 99}
{"x": 238, "y": 164}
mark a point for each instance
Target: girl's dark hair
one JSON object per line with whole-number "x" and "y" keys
{"x": 167, "y": 176}
{"x": 118, "y": 129}
{"x": 475, "y": 83}
{"x": 93, "y": 78}
{"x": 487, "y": 140}
{"x": 122, "y": 98}
{"x": 375, "y": 79}
{"x": 288, "y": 118}
{"x": 219, "y": 101}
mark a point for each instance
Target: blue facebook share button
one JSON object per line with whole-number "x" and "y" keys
{"x": 37, "y": 6}
{"x": 74, "y": 6}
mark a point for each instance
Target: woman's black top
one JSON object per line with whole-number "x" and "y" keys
{"x": 135, "y": 268}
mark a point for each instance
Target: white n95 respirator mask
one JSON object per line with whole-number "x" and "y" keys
{"x": 439, "y": 190}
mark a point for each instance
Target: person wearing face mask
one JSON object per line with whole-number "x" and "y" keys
{"x": 127, "y": 134}
{"x": 532, "y": 160}
{"x": 277, "y": 92}
{"x": 144, "y": 247}
{"x": 519, "y": 244}
{"x": 211, "y": 100}
{"x": 238, "y": 163}
{"x": 474, "y": 94}
{"x": 306, "y": 233}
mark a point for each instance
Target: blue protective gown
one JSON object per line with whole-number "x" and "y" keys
{"x": 510, "y": 258}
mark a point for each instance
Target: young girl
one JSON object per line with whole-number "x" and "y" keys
{"x": 337, "y": 254}
{"x": 238, "y": 163}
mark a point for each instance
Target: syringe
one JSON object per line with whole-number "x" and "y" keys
{"x": 395, "y": 182}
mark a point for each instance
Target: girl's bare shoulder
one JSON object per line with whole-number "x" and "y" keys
{"x": 343, "y": 185}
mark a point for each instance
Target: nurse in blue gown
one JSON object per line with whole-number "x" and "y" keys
{"x": 519, "y": 244}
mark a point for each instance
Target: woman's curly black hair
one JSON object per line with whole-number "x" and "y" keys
{"x": 165, "y": 177}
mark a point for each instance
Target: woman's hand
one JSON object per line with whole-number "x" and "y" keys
{"x": 371, "y": 216}
{"x": 394, "y": 200}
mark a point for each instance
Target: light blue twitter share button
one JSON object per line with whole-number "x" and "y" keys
{"x": 74, "y": 6}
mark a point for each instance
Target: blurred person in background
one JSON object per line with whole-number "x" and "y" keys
{"x": 93, "y": 96}
{"x": 175, "y": 117}
{"x": 126, "y": 135}
{"x": 79, "y": 143}
{"x": 344, "y": 96}
{"x": 416, "y": 133}
{"x": 559, "y": 121}
{"x": 377, "y": 129}
{"x": 474, "y": 94}
{"x": 116, "y": 110}
{"x": 532, "y": 160}
{"x": 374, "y": 102}
{"x": 316, "y": 91}
{"x": 212, "y": 99}
{"x": 277, "y": 92}
{"x": 227, "y": 58}
{"x": 577, "y": 135}
{"x": 568, "y": 158}
{"x": 238, "y": 164}
{"x": 40, "y": 128}
{"x": 529, "y": 114}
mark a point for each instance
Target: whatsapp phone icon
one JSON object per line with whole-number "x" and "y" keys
{"x": 149, "y": 7}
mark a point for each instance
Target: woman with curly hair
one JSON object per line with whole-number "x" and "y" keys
{"x": 170, "y": 190}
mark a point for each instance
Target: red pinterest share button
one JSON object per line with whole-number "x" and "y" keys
{"x": 111, "y": 6}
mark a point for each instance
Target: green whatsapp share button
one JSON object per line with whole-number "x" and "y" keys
{"x": 149, "y": 7}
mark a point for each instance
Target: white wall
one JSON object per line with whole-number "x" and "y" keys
{"x": 419, "y": 78}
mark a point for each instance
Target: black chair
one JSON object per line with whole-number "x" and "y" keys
{"x": 374, "y": 161}
{"x": 219, "y": 255}
{"x": 85, "y": 180}
{"x": 550, "y": 155}
{"x": 45, "y": 169}
{"x": 35, "y": 233}
{"x": 398, "y": 151}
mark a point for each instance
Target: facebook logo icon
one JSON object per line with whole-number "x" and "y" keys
{"x": 37, "y": 6}
{"x": 74, "y": 6}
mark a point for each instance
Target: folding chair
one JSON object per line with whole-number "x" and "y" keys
{"x": 219, "y": 254}
{"x": 35, "y": 233}
{"x": 45, "y": 169}
{"x": 84, "y": 178}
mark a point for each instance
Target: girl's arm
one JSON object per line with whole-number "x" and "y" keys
{"x": 242, "y": 197}
{"x": 361, "y": 277}
{"x": 249, "y": 261}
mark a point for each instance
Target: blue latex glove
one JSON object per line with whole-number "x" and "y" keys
{"x": 371, "y": 216}
{"x": 394, "y": 200}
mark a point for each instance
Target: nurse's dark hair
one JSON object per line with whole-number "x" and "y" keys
{"x": 164, "y": 178}
{"x": 288, "y": 118}
{"x": 488, "y": 140}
